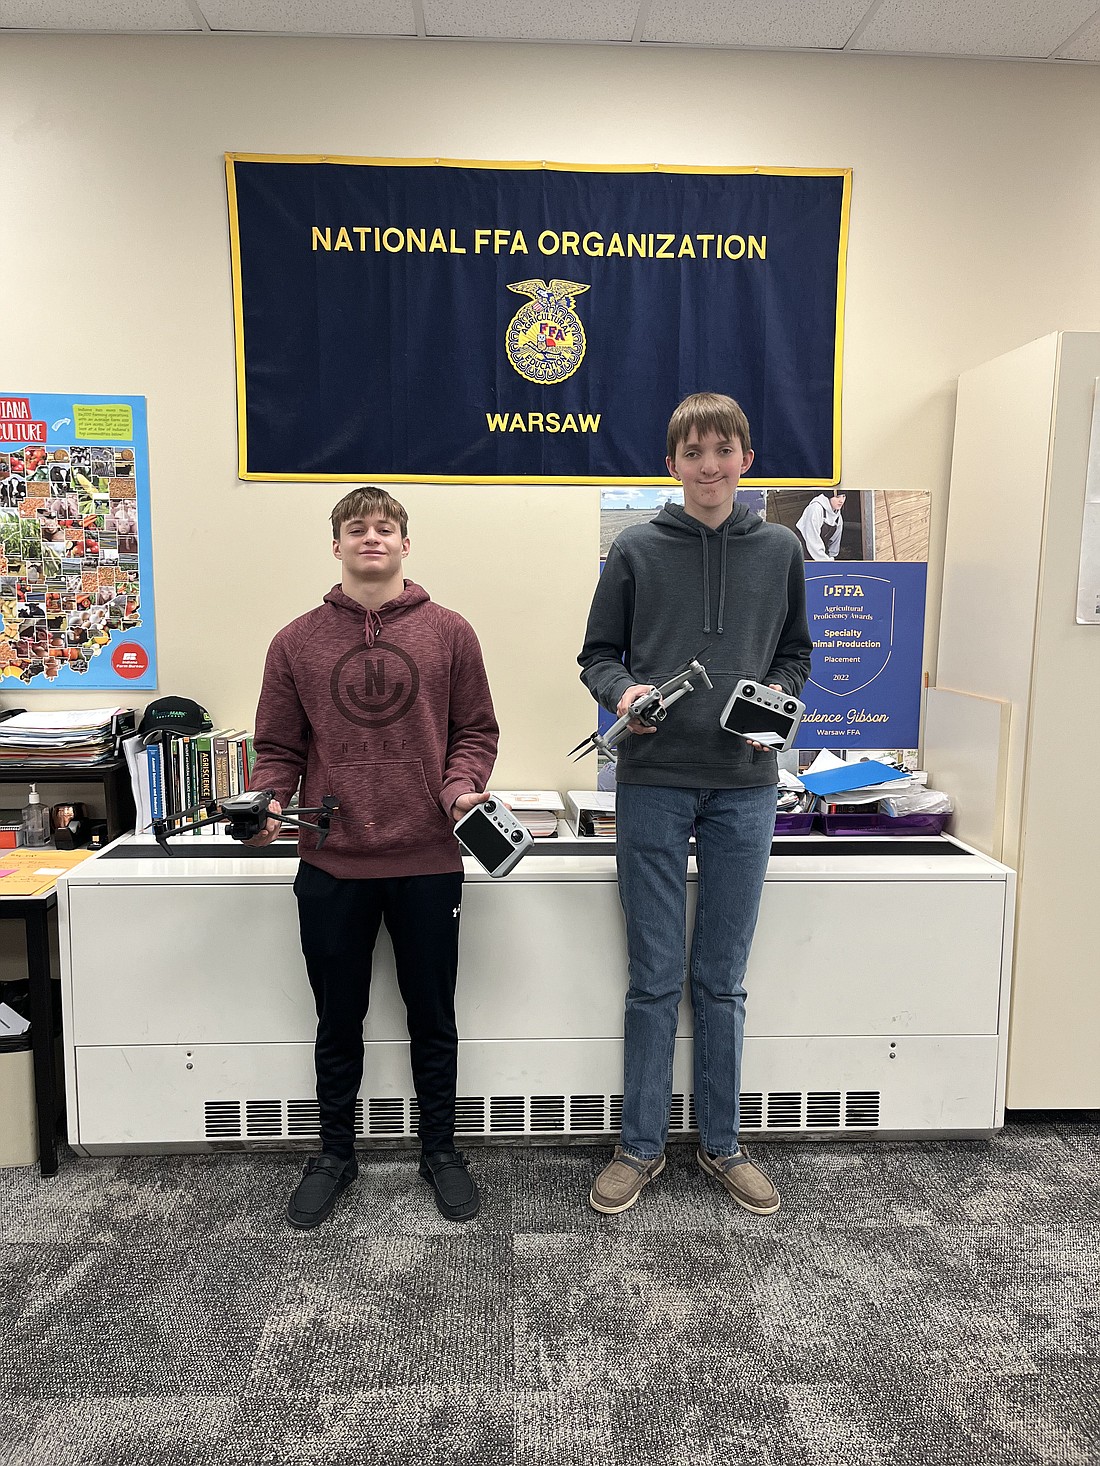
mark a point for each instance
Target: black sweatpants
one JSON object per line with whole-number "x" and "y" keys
{"x": 339, "y": 922}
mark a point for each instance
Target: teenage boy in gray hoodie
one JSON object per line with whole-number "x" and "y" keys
{"x": 715, "y": 581}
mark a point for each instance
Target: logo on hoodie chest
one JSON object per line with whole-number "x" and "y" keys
{"x": 375, "y": 685}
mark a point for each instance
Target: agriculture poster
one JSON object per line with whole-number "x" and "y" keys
{"x": 76, "y": 588}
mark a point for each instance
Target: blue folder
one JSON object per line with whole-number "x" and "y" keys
{"x": 851, "y": 776}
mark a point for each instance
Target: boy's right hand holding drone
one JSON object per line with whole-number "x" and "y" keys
{"x": 631, "y": 695}
{"x": 270, "y": 829}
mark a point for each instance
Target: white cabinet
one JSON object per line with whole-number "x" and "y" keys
{"x": 876, "y": 1000}
{"x": 1008, "y": 632}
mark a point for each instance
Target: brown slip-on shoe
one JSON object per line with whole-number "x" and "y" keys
{"x": 745, "y": 1182}
{"x": 620, "y": 1183}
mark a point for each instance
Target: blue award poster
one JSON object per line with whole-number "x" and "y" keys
{"x": 76, "y": 566}
{"x": 867, "y": 623}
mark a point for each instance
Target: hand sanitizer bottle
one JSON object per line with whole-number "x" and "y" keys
{"x": 36, "y": 821}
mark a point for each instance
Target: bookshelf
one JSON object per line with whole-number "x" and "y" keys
{"x": 113, "y": 778}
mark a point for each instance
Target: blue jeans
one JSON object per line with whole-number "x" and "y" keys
{"x": 733, "y": 834}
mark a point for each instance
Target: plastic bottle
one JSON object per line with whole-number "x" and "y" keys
{"x": 36, "y": 820}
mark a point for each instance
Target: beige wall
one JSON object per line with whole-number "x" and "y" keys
{"x": 975, "y": 227}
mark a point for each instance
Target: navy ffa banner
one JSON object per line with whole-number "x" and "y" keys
{"x": 530, "y": 322}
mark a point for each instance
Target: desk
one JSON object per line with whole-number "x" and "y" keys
{"x": 34, "y": 912}
{"x": 32, "y": 874}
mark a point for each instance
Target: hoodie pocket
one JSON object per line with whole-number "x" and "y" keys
{"x": 385, "y": 807}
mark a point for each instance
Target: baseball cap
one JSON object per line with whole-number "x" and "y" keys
{"x": 173, "y": 715}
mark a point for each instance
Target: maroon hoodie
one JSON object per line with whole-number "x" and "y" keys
{"x": 389, "y": 711}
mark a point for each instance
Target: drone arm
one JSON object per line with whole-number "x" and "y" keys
{"x": 164, "y": 829}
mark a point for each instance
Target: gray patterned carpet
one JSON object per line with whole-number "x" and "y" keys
{"x": 911, "y": 1305}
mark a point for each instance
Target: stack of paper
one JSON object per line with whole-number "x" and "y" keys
{"x": 137, "y": 761}
{"x": 84, "y": 737}
{"x": 12, "y": 1024}
{"x": 591, "y": 812}
{"x": 864, "y": 782}
{"x": 537, "y": 809}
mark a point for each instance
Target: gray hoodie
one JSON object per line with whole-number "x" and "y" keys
{"x": 672, "y": 590}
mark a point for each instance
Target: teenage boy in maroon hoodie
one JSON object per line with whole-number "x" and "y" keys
{"x": 378, "y": 697}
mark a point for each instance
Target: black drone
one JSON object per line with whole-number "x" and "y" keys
{"x": 244, "y": 816}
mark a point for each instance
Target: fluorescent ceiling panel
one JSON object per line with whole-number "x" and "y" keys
{"x": 104, "y": 15}
{"x": 312, "y": 17}
{"x": 778, "y": 23}
{"x": 532, "y": 20}
{"x": 974, "y": 27}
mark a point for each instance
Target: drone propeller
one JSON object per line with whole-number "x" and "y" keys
{"x": 585, "y": 746}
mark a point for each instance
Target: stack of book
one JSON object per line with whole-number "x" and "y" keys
{"x": 187, "y": 771}
{"x": 87, "y": 737}
{"x": 537, "y": 809}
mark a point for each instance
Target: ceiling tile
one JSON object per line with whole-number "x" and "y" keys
{"x": 104, "y": 15}
{"x": 974, "y": 27}
{"x": 809, "y": 23}
{"x": 1087, "y": 45}
{"x": 533, "y": 20}
{"x": 312, "y": 17}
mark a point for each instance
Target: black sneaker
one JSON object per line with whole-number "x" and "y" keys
{"x": 323, "y": 1179}
{"x": 456, "y": 1193}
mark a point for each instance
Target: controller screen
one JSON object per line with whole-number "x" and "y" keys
{"x": 750, "y": 717}
{"x": 484, "y": 841}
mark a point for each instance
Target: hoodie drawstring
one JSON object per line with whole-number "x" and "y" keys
{"x": 722, "y": 583}
{"x": 706, "y": 579}
{"x": 372, "y": 627}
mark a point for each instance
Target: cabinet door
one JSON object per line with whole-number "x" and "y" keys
{"x": 190, "y": 963}
{"x": 876, "y": 957}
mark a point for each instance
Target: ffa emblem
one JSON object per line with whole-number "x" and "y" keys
{"x": 545, "y": 339}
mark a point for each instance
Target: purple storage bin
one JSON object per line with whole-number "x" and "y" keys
{"x": 795, "y": 824}
{"x": 884, "y": 824}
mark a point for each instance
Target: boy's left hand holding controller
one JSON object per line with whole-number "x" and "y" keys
{"x": 775, "y": 687}
{"x": 465, "y": 802}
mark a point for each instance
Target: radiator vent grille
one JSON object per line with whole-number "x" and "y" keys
{"x": 586, "y": 1113}
{"x": 302, "y": 1117}
{"x": 539, "y": 1114}
{"x": 547, "y": 1112}
{"x": 386, "y": 1117}
{"x": 823, "y": 1111}
{"x": 784, "y": 1111}
{"x": 861, "y": 1108}
{"x": 264, "y": 1117}
{"x": 506, "y": 1114}
{"x": 470, "y": 1115}
{"x": 222, "y": 1119}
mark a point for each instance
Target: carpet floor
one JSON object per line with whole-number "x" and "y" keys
{"x": 912, "y": 1304}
